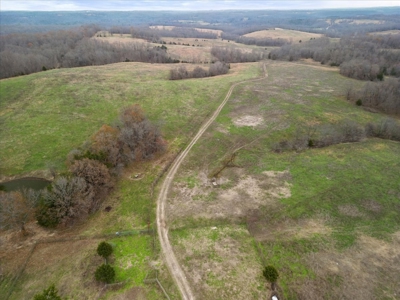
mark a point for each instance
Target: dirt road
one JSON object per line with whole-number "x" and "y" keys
{"x": 169, "y": 256}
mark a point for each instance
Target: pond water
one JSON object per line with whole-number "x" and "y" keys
{"x": 27, "y": 182}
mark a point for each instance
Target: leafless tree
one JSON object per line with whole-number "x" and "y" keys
{"x": 15, "y": 211}
{"x": 69, "y": 199}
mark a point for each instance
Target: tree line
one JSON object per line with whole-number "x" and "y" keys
{"x": 346, "y": 131}
{"x": 92, "y": 172}
{"x": 235, "y": 55}
{"x": 22, "y": 54}
{"x": 217, "y": 68}
{"x": 254, "y": 41}
{"x": 360, "y": 57}
{"x": 383, "y": 96}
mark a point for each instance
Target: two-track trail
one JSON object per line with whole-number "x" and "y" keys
{"x": 168, "y": 253}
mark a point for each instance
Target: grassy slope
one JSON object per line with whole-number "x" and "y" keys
{"x": 46, "y": 115}
{"x": 336, "y": 184}
{"x": 65, "y": 107}
{"x": 283, "y": 34}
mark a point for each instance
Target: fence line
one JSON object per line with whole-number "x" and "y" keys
{"x": 22, "y": 269}
{"x": 78, "y": 238}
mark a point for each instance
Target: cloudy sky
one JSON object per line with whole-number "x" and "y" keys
{"x": 123, "y": 5}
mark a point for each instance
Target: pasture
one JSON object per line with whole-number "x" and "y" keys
{"x": 317, "y": 215}
{"x": 64, "y": 108}
{"x": 279, "y": 33}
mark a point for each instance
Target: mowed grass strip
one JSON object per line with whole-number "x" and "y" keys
{"x": 46, "y": 115}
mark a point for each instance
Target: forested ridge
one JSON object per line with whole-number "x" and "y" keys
{"x": 22, "y": 54}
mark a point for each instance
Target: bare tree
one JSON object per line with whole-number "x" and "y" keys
{"x": 70, "y": 199}
{"x": 15, "y": 211}
{"x": 97, "y": 178}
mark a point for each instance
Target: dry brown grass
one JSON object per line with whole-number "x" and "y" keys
{"x": 283, "y": 34}
{"x": 220, "y": 263}
{"x": 357, "y": 22}
{"x": 239, "y": 194}
{"x": 215, "y": 31}
{"x": 386, "y": 32}
{"x": 200, "y": 52}
{"x": 357, "y": 273}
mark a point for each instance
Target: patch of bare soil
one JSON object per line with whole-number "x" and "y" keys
{"x": 356, "y": 273}
{"x": 221, "y": 263}
{"x": 237, "y": 194}
{"x": 248, "y": 120}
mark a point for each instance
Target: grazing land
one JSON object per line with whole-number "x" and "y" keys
{"x": 214, "y": 31}
{"x": 387, "y": 32}
{"x": 279, "y": 33}
{"x": 310, "y": 213}
{"x": 92, "y": 96}
{"x": 38, "y": 108}
{"x": 195, "y": 50}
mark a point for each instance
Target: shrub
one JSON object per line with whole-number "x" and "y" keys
{"x": 47, "y": 216}
{"x": 271, "y": 274}
{"x": 104, "y": 249}
{"x": 359, "y": 102}
{"x": 105, "y": 273}
{"x": 386, "y": 129}
{"x": 48, "y": 294}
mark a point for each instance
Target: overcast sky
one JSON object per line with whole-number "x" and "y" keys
{"x": 124, "y": 5}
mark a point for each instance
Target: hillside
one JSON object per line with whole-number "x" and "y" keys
{"x": 279, "y": 33}
{"x": 65, "y": 107}
{"x": 199, "y": 181}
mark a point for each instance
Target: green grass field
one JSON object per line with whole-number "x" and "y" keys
{"x": 337, "y": 202}
{"x": 50, "y": 113}
{"x": 46, "y": 115}
{"x": 328, "y": 219}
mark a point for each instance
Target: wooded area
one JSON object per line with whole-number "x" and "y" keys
{"x": 22, "y": 54}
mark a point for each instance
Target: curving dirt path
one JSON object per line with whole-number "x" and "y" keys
{"x": 169, "y": 256}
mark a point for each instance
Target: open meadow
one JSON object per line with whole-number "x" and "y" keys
{"x": 279, "y": 33}
{"x": 65, "y": 107}
{"x": 50, "y": 113}
{"x": 327, "y": 218}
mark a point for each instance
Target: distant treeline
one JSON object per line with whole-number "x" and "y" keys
{"x": 364, "y": 57}
{"x": 255, "y": 41}
{"x": 215, "y": 69}
{"x": 333, "y": 23}
{"x": 155, "y": 34}
{"x": 22, "y": 54}
{"x": 235, "y": 55}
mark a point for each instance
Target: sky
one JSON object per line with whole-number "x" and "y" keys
{"x": 127, "y": 5}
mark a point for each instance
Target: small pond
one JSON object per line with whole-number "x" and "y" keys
{"x": 34, "y": 183}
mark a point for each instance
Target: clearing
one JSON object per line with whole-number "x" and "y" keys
{"x": 286, "y": 34}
